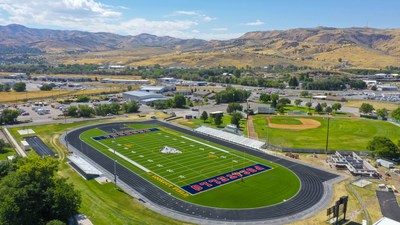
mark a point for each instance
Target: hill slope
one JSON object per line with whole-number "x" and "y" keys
{"x": 321, "y": 47}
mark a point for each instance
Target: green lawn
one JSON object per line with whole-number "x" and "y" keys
{"x": 103, "y": 204}
{"x": 198, "y": 161}
{"x": 6, "y": 152}
{"x": 226, "y": 119}
{"x": 345, "y": 133}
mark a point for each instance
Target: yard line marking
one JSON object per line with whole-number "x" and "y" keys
{"x": 199, "y": 142}
{"x": 222, "y": 150}
{"x": 125, "y": 158}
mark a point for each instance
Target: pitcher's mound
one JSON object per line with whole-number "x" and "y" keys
{"x": 306, "y": 124}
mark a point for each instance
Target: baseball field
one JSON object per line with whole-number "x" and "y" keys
{"x": 310, "y": 132}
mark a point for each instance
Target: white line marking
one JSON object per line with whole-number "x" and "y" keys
{"x": 205, "y": 144}
{"x": 126, "y": 158}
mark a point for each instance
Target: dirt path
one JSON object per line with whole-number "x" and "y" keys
{"x": 306, "y": 124}
{"x": 250, "y": 129}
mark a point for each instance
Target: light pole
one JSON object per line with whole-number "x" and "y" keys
{"x": 327, "y": 135}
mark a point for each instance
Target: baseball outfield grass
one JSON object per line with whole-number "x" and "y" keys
{"x": 344, "y": 133}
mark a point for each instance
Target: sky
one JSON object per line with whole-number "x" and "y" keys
{"x": 203, "y": 19}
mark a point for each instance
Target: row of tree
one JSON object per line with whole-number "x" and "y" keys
{"x": 367, "y": 108}
{"x": 102, "y": 109}
{"x": 231, "y": 94}
{"x": 18, "y": 87}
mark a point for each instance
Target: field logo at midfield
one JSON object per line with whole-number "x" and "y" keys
{"x": 225, "y": 178}
{"x": 115, "y": 135}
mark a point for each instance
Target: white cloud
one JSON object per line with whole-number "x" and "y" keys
{"x": 255, "y": 23}
{"x": 208, "y": 19}
{"x": 219, "y": 29}
{"x": 190, "y": 13}
{"x": 196, "y": 14}
{"x": 94, "y": 16}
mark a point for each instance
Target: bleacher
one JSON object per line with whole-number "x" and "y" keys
{"x": 230, "y": 137}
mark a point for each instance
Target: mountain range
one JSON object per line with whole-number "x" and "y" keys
{"x": 322, "y": 47}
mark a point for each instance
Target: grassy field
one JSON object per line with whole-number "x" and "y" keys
{"x": 197, "y": 162}
{"x": 102, "y": 203}
{"x": 13, "y": 97}
{"x": 345, "y": 133}
{"x": 6, "y": 152}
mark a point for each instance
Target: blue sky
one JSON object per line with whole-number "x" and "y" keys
{"x": 205, "y": 19}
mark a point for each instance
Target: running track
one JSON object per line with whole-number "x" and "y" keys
{"x": 311, "y": 191}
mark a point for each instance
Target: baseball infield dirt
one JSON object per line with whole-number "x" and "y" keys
{"x": 306, "y": 124}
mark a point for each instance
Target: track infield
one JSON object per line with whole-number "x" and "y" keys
{"x": 311, "y": 192}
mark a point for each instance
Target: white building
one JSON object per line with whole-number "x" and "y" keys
{"x": 158, "y": 89}
{"x": 143, "y": 97}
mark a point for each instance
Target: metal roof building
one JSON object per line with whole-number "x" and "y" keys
{"x": 143, "y": 96}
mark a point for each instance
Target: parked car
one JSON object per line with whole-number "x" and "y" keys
{"x": 25, "y": 114}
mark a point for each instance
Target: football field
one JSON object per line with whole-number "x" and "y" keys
{"x": 195, "y": 169}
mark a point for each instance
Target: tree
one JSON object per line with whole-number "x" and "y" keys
{"x": 280, "y": 108}
{"x": 32, "y": 193}
{"x": 236, "y": 73}
{"x": 265, "y": 97}
{"x": 3, "y": 146}
{"x": 19, "y": 87}
{"x": 235, "y": 119}
{"x": 204, "y": 116}
{"x": 129, "y": 88}
{"x": 130, "y": 107}
{"x": 293, "y": 82}
{"x": 383, "y": 147}
{"x": 298, "y": 102}
{"x": 72, "y": 111}
{"x": 102, "y": 109}
{"x": 46, "y": 87}
{"x": 318, "y": 108}
{"x": 304, "y": 94}
{"x": 324, "y": 105}
{"x": 115, "y": 108}
{"x": 274, "y": 100}
{"x": 366, "y": 108}
{"x": 85, "y": 111}
{"x": 179, "y": 101}
{"x": 328, "y": 109}
{"x": 284, "y": 101}
{"x": 308, "y": 104}
{"x": 9, "y": 116}
{"x": 396, "y": 114}
{"x": 83, "y": 98}
{"x": 218, "y": 119}
{"x": 233, "y": 107}
{"x": 336, "y": 106}
{"x": 7, "y": 87}
{"x": 382, "y": 113}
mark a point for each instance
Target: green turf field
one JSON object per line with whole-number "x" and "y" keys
{"x": 197, "y": 161}
{"x": 344, "y": 133}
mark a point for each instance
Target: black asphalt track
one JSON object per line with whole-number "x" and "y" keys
{"x": 310, "y": 193}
